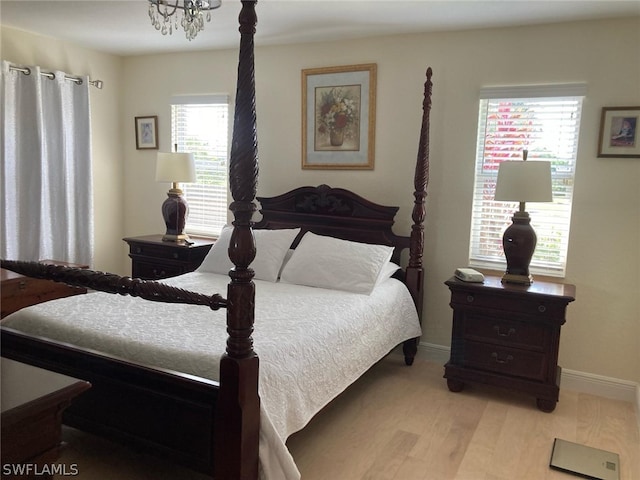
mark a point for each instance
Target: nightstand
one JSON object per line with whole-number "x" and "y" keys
{"x": 153, "y": 259}
{"x": 508, "y": 335}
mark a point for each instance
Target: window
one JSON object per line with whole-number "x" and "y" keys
{"x": 200, "y": 125}
{"x": 545, "y": 121}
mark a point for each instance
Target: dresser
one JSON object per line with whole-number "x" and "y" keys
{"x": 33, "y": 401}
{"x": 508, "y": 336}
{"x": 153, "y": 259}
{"x": 18, "y": 291}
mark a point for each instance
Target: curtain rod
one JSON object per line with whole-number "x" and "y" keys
{"x": 27, "y": 71}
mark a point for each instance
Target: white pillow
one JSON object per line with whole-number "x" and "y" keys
{"x": 271, "y": 247}
{"x": 327, "y": 262}
{"x": 387, "y": 271}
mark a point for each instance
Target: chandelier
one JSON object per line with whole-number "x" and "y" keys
{"x": 194, "y": 14}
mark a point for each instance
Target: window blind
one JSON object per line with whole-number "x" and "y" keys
{"x": 545, "y": 120}
{"x": 200, "y": 124}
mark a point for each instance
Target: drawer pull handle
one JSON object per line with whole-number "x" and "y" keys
{"x": 160, "y": 274}
{"x": 175, "y": 255}
{"x": 508, "y": 333}
{"x": 542, "y": 308}
{"x": 469, "y": 298}
{"x": 500, "y": 360}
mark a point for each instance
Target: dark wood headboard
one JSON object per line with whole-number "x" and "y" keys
{"x": 335, "y": 212}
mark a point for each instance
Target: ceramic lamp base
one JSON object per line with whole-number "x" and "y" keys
{"x": 519, "y": 243}
{"x": 174, "y": 212}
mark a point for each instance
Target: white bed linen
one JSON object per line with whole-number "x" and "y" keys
{"x": 312, "y": 343}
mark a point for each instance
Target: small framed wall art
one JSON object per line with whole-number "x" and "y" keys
{"x": 619, "y": 132}
{"x": 338, "y": 117}
{"x": 147, "y": 133}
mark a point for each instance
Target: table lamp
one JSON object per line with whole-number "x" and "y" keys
{"x": 175, "y": 168}
{"x": 521, "y": 181}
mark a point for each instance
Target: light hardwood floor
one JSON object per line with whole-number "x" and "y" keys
{"x": 401, "y": 423}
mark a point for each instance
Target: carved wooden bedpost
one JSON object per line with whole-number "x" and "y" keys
{"x": 238, "y": 418}
{"x": 415, "y": 272}
{"x": 421, "y": 180}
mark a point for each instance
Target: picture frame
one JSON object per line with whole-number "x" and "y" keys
{"x": 619, "y": 137}
{"x": 338, "y": 117}
{"x": 147, "y": 133}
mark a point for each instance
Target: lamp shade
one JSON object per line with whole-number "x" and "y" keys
{"x": 524, "y": 181}
{"x": 175, "y": 167}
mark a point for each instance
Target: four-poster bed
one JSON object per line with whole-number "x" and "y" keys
{"x": 215, "y": 426}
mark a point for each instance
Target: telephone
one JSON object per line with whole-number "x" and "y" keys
{"x": 469, "y": 275}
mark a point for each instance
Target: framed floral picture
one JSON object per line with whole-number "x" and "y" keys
{"x": 619, "y": 132}
{"x": 338, "y": 117}
{"x": 147, "y": 133}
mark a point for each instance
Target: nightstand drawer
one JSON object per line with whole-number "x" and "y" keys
{"x": 509, "y": 361}
{"x": 503, "y": 332}
{"x": 159, "y": 251}
{"x": 542, "y": 308}
{"x": 156, "y": 271}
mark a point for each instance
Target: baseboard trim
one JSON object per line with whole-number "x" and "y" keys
{"x": 590, "y": 383}
{"x": 599, "y": 385}
{"x": 434, "y": 353}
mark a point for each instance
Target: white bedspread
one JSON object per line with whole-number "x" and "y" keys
{"x": 312, "y": 343}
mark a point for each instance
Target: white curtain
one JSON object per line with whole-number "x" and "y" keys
{"x": 46, "y": 167}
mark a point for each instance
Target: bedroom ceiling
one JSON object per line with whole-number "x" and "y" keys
{"x": 122, "y": 27}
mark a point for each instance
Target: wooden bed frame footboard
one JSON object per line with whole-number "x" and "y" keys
{"x": 161, "y": 411}
{"x": 192, "y": 420}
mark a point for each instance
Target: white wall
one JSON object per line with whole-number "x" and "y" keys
{"x": 51, "y": 54}
{"x": 602, "y": 334}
